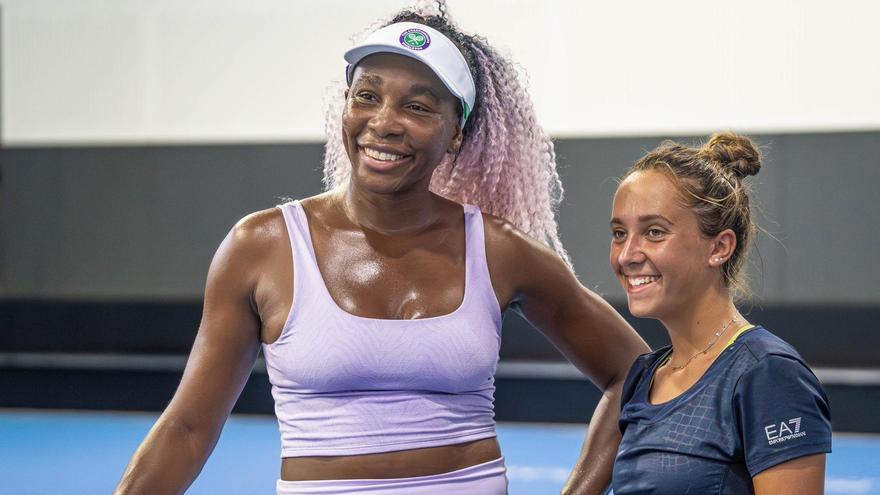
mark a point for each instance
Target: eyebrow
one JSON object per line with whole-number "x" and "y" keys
{"x": 646, "y": 219}
{"x": 420, "y": 89}
{"x": 370, "y": 79}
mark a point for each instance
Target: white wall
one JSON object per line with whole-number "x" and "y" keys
{"x": 163, "y": 71}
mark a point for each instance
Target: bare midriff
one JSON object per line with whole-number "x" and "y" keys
{"x": 400, "y": 464}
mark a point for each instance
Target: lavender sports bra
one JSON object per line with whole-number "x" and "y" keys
{"x": 347, "y": 385}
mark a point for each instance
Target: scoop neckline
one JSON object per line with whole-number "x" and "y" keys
{"x": 338, "y": 309}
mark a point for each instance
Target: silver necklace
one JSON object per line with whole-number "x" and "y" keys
{"x": 704, "y": 351}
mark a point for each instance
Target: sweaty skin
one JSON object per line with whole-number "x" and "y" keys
{"x": 386, "y": 248}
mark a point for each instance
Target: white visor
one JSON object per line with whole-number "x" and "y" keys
{"x": 427, "y": 45}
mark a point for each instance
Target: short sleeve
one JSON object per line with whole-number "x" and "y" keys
{"x": 782, "y": 413}
{"x": 631, "y": 384}
{"x": 633, "y": 378}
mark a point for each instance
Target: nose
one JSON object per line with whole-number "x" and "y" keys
{"x": 630, "y": 251}
{"x": 386, "y": 121}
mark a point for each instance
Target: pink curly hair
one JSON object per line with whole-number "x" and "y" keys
{"x": 506, "y": 165}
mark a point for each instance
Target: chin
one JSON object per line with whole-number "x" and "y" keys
{"x": 377, "y": 183}
{"x": 642, "y": 309}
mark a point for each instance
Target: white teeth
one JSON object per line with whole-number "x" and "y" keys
{"x": 381, "y": 155}
{"x": 639, "y": 281}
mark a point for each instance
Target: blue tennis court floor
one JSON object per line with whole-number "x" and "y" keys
{"x": 79, "y": 453}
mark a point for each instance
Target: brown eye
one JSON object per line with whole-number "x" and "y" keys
{"x": 419, "y": 108}
{"x": 618, "y": 235}
{"x": 655, "y": 233}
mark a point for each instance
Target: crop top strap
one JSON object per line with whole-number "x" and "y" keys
{"x": 479, "y": 280}
{"x": 305, "y": 267}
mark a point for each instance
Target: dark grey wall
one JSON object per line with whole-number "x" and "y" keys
{"x": 143, "y": 222}
{"x": 134, "y": 222}
{"x": 816, "y": 194}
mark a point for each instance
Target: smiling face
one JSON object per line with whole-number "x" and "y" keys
{"x": 658, "y": 252}
{"x": 399, "y": 123}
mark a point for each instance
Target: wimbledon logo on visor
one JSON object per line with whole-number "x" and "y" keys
{"x": 415, "y": 39}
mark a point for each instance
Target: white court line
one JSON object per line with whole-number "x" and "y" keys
{"x": 557, "y": 370}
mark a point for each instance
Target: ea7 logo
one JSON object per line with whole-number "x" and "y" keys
{"x": 785, "y": 430}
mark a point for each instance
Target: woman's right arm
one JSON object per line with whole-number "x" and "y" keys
{"x": 223, "y": 354}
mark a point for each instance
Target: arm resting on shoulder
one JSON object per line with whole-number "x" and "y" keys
{"x": 595, "y": 338}
{"x": 585, "y": 328}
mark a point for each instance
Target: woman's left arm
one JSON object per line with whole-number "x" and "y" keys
{"x": 585, "y": 328}
{"x": 801, "y": 476}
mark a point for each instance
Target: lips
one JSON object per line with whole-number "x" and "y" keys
{"x": 639, "y": 283}
{"x": 382, "y": 155}
{"x": 382, "y": 160}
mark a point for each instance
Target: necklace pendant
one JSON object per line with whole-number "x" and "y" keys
{"x": 703, "y": 352}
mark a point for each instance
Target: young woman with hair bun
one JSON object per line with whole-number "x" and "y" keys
{"x": 378, "y": 304}
{"x": 728, "y": 408}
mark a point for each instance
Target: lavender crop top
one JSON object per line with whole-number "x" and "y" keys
{"x": 347, "y": 385}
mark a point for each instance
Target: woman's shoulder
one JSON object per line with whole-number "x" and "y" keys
{"x": 518, "y": 262}
{"x": 780, "y": 407}
{"x": 762, "y": 344}
{"x": 768, "y": 362}
{"x": 261, "y": 235}
{"x": 503, "y": 237}
{"x": 641, "y": 370}
{"x": 258, "y": 227}
{"x": 642, "y": 366}
{"x": 268, "y": 226}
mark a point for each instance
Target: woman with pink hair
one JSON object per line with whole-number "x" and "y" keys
{"x": 378, "y": 304}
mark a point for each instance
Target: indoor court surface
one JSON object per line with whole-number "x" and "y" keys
{"x": 80, "y": 453}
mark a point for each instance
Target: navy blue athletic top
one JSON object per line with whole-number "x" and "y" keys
{"x": 758, "y": 405}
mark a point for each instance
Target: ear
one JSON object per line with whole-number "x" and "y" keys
{"x": 723, "y": 247}
{"x": 455, "y": 142}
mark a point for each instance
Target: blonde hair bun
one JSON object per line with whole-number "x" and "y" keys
{"x": 735, "y": 153}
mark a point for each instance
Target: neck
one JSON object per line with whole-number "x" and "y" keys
{"x": 694, "y": 328}
{"x": 391, "y": 213}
